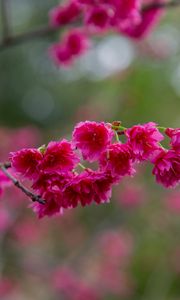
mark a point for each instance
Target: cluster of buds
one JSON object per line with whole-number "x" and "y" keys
{"x": 132, "y": 18}
{"x": 62, "y": 175}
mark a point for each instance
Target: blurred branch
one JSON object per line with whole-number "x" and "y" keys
{"x": 26, "y": 36}
{"x": 5, "y": 20}
{"x": 166, "y": 5}
{"x": 9, "y": 41}
{"x": 33, "y": 197}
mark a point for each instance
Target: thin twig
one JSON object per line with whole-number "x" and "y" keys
{"x": 33, "y": 197}
{"x": 26, "y": 36}
{"x": 5, "y": 20}
{"x": 44, "y": 31}
{"x": 166, "y": 5}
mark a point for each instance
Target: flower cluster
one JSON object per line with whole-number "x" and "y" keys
{"x": 54, "y": 170}
{"x": 131, "y": 18}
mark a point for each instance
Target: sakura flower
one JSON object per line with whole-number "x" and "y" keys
{"x": 92, "y": 139}
{"x": 52, "y": 207}
{"x": 64, "y": 14}
{"x": 60, "y": 54}
{"x": 98, "y": 17}
{"x": 59, "y": 156}
{"x": 167, "y": 167}
{"x": 4, "y": 181}
{"x": 147, "y": 21}
{"x": 143, "y": 140}
{"x": 25, "y": 162}
{"x": 117, "y": 160}
{"x": 174, "y": 134}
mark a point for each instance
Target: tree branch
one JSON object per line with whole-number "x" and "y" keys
{"x": 44, "y": 31}
{"x": 5, "y": 20}
{"x": 170, "y": 4}
{"x": 26, "y": 36}
{"x": 33, "y": 197}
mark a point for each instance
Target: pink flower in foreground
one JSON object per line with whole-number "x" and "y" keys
{"x": 59, "y": 156}
{"x": 64, "y": 14}
{"x": 50, "y": 187}
{"x": 117, "y": 160}
{"x": 25, "y": 162}
{"x": 144, "y": 139}
{"x": 92, "y": 139}
{"x": 87, "y": 187}
{"x": 149, "y": 18}
{"x": 52, "y": 207}
{"x": 174, "y": 134}
{"x": 167, "y": 167}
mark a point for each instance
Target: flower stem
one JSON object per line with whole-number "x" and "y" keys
{"x": 83, "y": 167}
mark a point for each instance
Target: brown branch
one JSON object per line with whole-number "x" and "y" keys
{"x": 170, "y": 4}
{"x": 5, "y": 20}
{"x": 26, "y": 36}
{"x": 33, "y": 197}
{"x": 44, "y": 31}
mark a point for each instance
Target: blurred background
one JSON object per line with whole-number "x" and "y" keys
{"x": 128, "y": 249}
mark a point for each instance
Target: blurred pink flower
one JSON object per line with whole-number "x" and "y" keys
{"x": 173, "y": 202}
{"x": 64, "y": 14}
{"x": 74, "y": 43}
{"x": 132, "y": 195}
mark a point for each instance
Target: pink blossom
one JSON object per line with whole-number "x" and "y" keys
{"x": 92, "y": 139}
{"x": 25, "y": 162}
{"x": 59, "y": 156}
{"x": 4, "y": 181}
{"x": 117, "y": 160}
{"x": 98, "y": 17}
{"x": 7, "y": 287}
{"x": 5, "y": 219}
{"x": 127, "y": 13}
{"x": 131, "y": 196}
{"x": 174, "y": 134}
{"x": 173, "y": 202}
{"x": 144, "y": 139}
{"x": 116, "y": 246}
{"x": 78, "y": 191}
{"x": 74, "y": 43}
{"x": 64, "y": 14}
{"x": 148, "y": 19}
{"x": 60, "y": 54}
{"x": 52, "y": 207}
{"x": 28, "y": 231}
{"x": 50, "y": 187}
{"x": 87, "y": 187}
{"x": 67, "y": 282}
{"x": 167, "y": 167}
